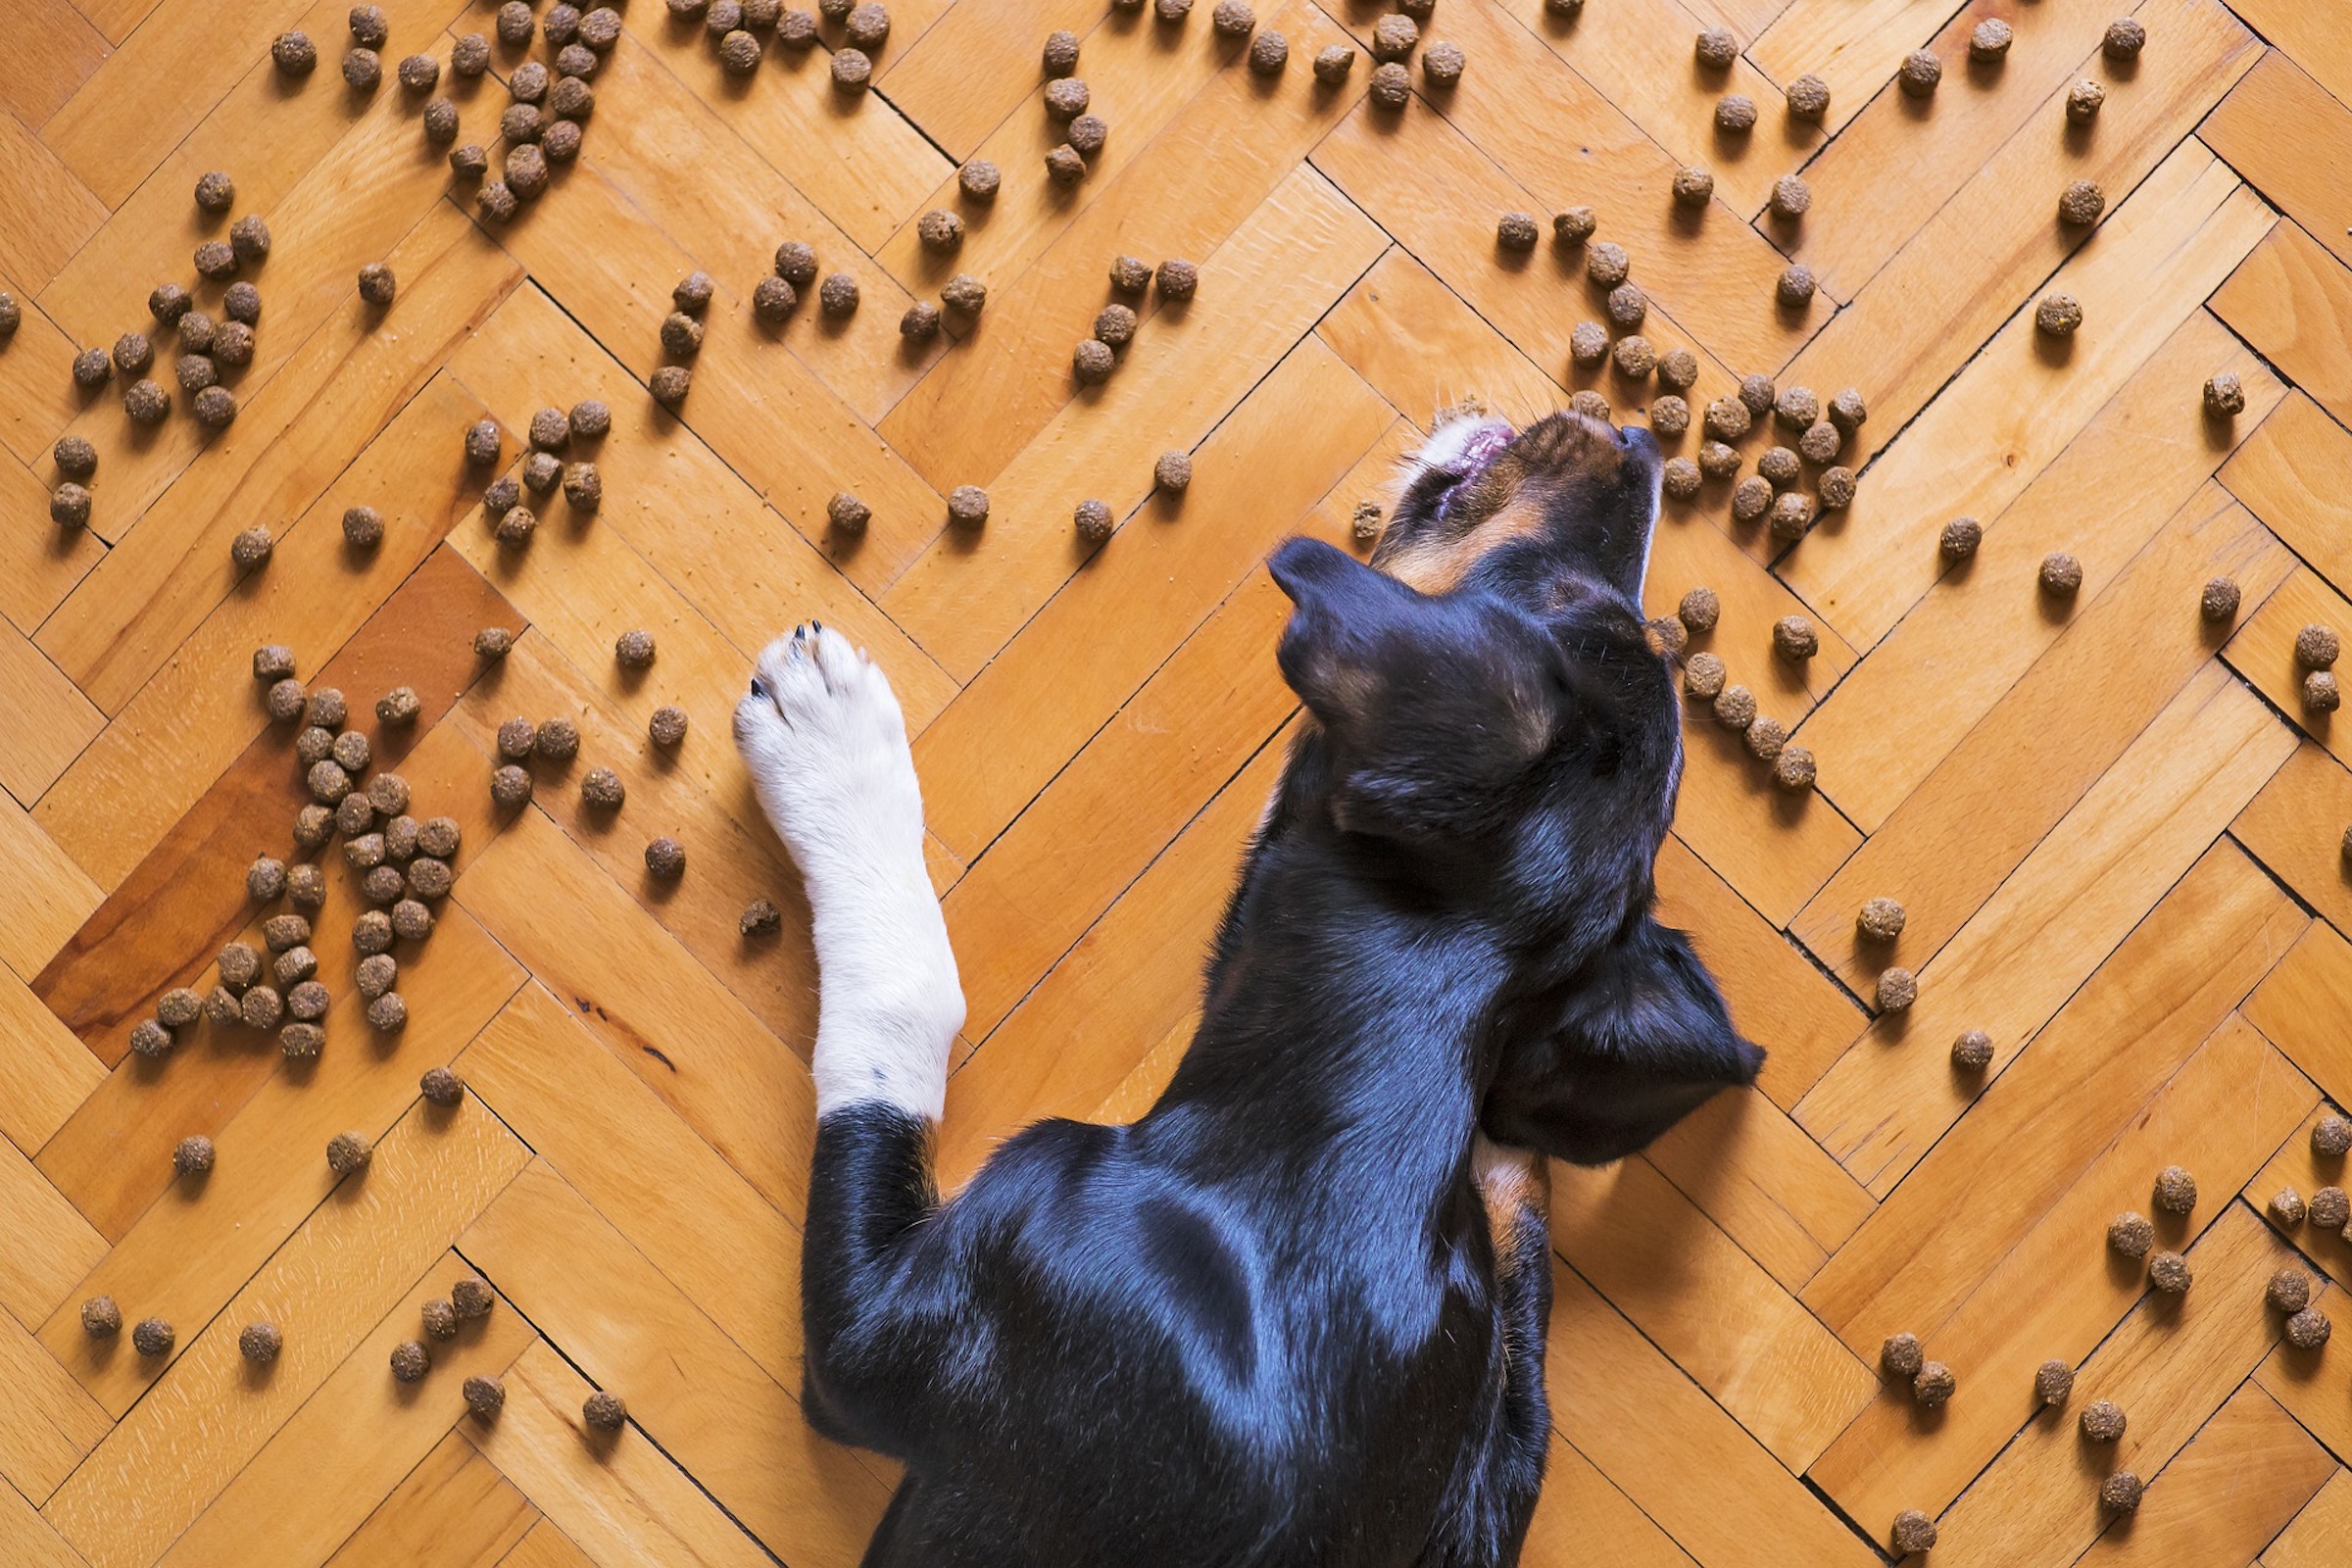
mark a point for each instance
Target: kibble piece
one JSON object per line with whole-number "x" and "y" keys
{"x": 1394, "y": 36}
{"x": 2061, "y": 575}
{"x": 282, "y": 933}
{"x": 1796, "y": 285}
{"x": 1896, "y": 990}
{"x": 2175, "y": 1191}
{"x": 761, "y": 919}
{"x": 2130, "y": 1234}
{"x": 1334, "y": 63}
{"x": 2286, "y": 1208}
{"x": 260, "y": 1343}
{"x": 101, "y": 1318}
{"x": 1820, "y": 444}
{"x": 967, "y": 506}
{"x": 1592, "y": 404}
{"x": 1091, "y": 361}
{"x": 1516, "y": 231}
{"x": 669, "y": 385}
{"x": 1677, "y": 368}
{"x": 681, "y": 334}
{"x": 2320, "y": 694}
{"x": 410, "y": 1360}
{"x": 1606, "y": 264}
{"x": 837, "y": 296}
{"x": 388, "y": 1014}
{"x": 315, "y": 745}
{"x": 1700, "y": 608}
{"x": 1793, "y": 514}
{"x": 2083, "y": 101}
{"x": 1792, "y": 197}
{"x": 1670, "y": 637}
{"x": 602, "y": 788}
{"x": 146, "y": 403}
{"x": 1990, "y": 39}
{"x": 262, "y": 1006}
{"x": 1920, "y": 72}
{"x": 515, "y": 737}
{"x": 1173, "y": 470}
{"x": 605, "y": 1412}
{"x": 2053, "y": 1382}
{"x": 77, "y": 458}
{"x": 774, "y": 300}
{"x": 1834, "y": 489}
{"x": 1881, "y": 921}
{"x": 1575, "y": 225}
{"x": 347, "y": 1152}
{"x": 1735, "y": 707}
{"x": 1901, "y": 1356}
{"x": 2317, "y": 647}
{"x": 152, "y": 1336}
{"x": 2081, "y": 203}
{"x": 1973, "y": 1052}
{"x": 667, "y": 726}
{"x": 92, "y": 368}
{"x": 371, "y": 932}
{"x": 2058, "y": 315}
{"x": 1751, "y": 499}
{"x": 634, "y": 648}
{"x": 422, "y": 73}
{"x": 69, "y": 506}
{"x": 362, "y": 69}
{"x": 665, "y": 858}
{"x": 1233, "y": 19}
{"x": 1670, "y": 417}
{"x": 1960, "y": 538}
{"x": 2124, "y": 38}
{"x": 399, "y": 838}
{"x": 1934, "y": 1384}
{"x": 867, "y": 26}
{"x": 468, "y": 161}
{"x": 1914, "y": 1532}
{"x": 377, "y": 973}
{"x": 2330, "y": 1208}
{"x": 1727, "y": 419}
{"x": 1736, "y": 114}
{"x": 473, "y": 1296}
{"x": 851, "y": 70}
{"x": 739, "y": 53}
{"x": 286, "y": 700}
{"x": 2169, "y": 1272}
{"x": 1779, "y": 465}
{"x": 1391, "y": 87}
{"x": 193, "y": 1155}
{"x": 1794, "y": 638}
{"x": 497, "y": 200}
{"x": 964, "y": 293}
{"x": 2289, "y": 1289}
{"x": 2331, "y": 1135}
{"x": 429, "y": 877}
{"x": 2225, "y": 395}
{"x": 134, "y": 353}
{"x": 2121, "y": 1492}
{"x": 195, "y": 373}
{"x": 1764, "y": 734}
{"x": 1702, "y": 677}
{"x": 2308, "y": 1329}
{"x": 1808, "y": 98}
{"x": 307, "y": 1002}
{"x": 1635, "y": 356}
{"x": 294, "y": 967}
{"x": 352, "y": 751}
{"x": 484, "y": 1396}
{"x": 2103, "y": 1421}
{"x": 1717, "y": 48}
{"x": 294, "y": 54}
{"x": 1588, "y": 343}
{"x": 150, "y": 1037}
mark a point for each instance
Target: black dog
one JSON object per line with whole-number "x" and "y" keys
{"x": 1295, "y": 1316}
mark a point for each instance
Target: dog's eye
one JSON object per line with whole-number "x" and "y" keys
{"x": 758, "y": 688}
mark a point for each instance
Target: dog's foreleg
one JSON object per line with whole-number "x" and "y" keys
{"x": 827, "y": 751}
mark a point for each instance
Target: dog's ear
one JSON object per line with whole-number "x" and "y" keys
{"x": 1428, "y": 702}
{"x": 1639, "y": 1040}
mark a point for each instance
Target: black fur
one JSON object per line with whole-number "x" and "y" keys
{"x": 1273, "y": 1323}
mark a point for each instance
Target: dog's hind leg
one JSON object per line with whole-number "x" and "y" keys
{"x": 1515, "y": 1187}
{"x": 827, "y": 752}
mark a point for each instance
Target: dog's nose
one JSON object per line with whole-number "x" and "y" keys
{"x": 1638, "y": 438}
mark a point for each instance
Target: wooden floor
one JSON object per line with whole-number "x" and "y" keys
{"x": 2114, "y": 828}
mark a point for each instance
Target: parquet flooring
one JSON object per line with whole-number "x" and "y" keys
{"x": 2118, "y": 832}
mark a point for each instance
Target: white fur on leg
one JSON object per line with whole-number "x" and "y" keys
{"x": 827, "y": 749}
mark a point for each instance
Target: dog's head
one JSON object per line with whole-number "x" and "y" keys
{"x": 1494, "y": 729}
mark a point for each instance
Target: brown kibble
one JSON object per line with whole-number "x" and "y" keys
{"x": 1973, "y": 1052}
{"x": 1896, "y": 990}
{"x": 134, "y": 353}
{"x": 774, "y": 300}
{"x": 2061, "y": 575}
{"x": 1808, "y": 98}
{"x": 1178, "y": 279}
{"x": 1173, "y": 472}
{"x": 1516, "y": 231}
{"x": 362, "y": 69}
{"x": 1792, "y": 197}
{"x": 347, "y": 1152}
{"x": 194, "y": 373}
{"x": 2058, "y": 315}
{"x": 1635, "y": 356}
{"x": 1588, "y": 343}
{"x": 2081, "y": 203}
{"x": 2286, "y": 1208}
{"x": 940, "y": 229}
{"x": 1960, "y": 538}
{"x": 1670, "y": 417}
{"x": 2169, "y": 1272}
{"x": 375, "y": 974}
{"x": 2320, "y": 694}
{"x": 1834, "y": 489}
{"x": 515, "y": 737}
{"x": 149, "y": 1037}
{"x": 665, "y": 858}
{"x": 1990, "y": 39}
{"x": 2103, "y": 1421}
{"x": 515, "y": 23}
{"x": 1592, "y": 404}
{"x": 260, "y": 1343}
{"x": 1821, "y": 443}
{"x": 605, "y": 1412}
{"x": 92, "y": 369}
{"x": 669, "y": 384}
{"x": 1334, "y": 63}
{"x": 101, "y": 1318}
{"x": 2331, "y": 1135}
{"x": 1765, "y": 735}
{"x": 2175, "y": 1191}
{"x": 473, "y": 1296}
{"x": 1901, "y": 1356}
{"x": 1606, "y": 264}
{"x": 2130, "y": 1234}
{"x": 1091, "y": 361}
{"x": 146, "y": 402}
{"x": 1700, "y": 608}
{"x": 1796, "y": 285}
{"x": 1394, "y": 36}
{"x": 293, "y": 966}
{"x": 283, "y": 933}
{"x": 964, "y": 293}
{"x": 967, "y": 506}
{"x": 1727, "y": 419}
{"x": 1933, "y": 1384}
{"x": 272, "y": 661}
{"x": 75, "y": 458}
{"x": 761, "y": 919}
{"x": 1364, "y": 522}
{"x": 1881, "y": 921}
{"x": 371, "y": 932}
{"x": 510, "y": 786}
{"x": 867, "y": 26}
{"x": 471, "y": 161}
{"x": 388, "y": 1014}
{"x": 1914, "y": 1532}
{"x": 1735, "y": 707}
{"x": 286, "y": 700}
{"x": 2121, "y": 1492}
{"x": 838, "y": 295}
{"x": 1233, "y": 19}
{"x": 1736, "y": 114}
{"x": 847, "y": 514}
{"x": 484, "y": 1396}
{"x": 1779, "y": 467}
{"x": 2308, "y": 1329}
{"x": 294, "y": 54}
{"x": 193, "y": 1155}
{"x": 69, "y": 506}
{"x": 265, "y": 878}
{"x": 1793, "y": 769}
{"x": 1792, "y": 515}
{"x": 2225, "y": 395}
{"x": 2053, "y": 1382}
{"x": 2124, "y": 38}
{"x": 2330, "y": 1208}
{"x": 1575, "y": 225}
{"x": 1717, "y": 48}
{"x": 1702, "y": 677}
{"x": 262, "y": 1006}
{"x": 410, "y": 1360}
{"x": 2083, "y": 101}
{"x": 600, "y": 788}
{"x": 440, "y": 1087}
{"x": 634, "y": 649}
{"x": 1794, "y": 638}
{"x": 1920, "y": 73}
{"x": 1093, "y": 521}
{"x": 667, "y": 726}
{"x": 307, "y": 1002}
{"x": 152, "y": 1336}
{"x": 1391, "y": 87}
{"x": 2289, "y": 1289}
{"x": 2317, "y": 647}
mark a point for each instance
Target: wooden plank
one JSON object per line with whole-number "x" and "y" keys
{"x": 1639, "y": 55}
{"x": 355, "y": 1258}
{"x": 2169, "y": 1364}
{"x": 177, "y": 861}
{"x": 1651, "y": 1430}
{"x": 50, "y": 211}
{"x": 1127, "y": 982}
{"x": 55, "y": 51}
{"x": 454, "y": 1508}
{"x": 2295, "y": 828}
{"x": 51, "y": 1246}
{"x": 646, "y": 1172}
{"x": 46, "y": 723}
{"x": 1708, "y": 1306}
{"x": 2287, "y": 298}
{"x": 649, "y": 1002}
{"x": 1853, "y": 47}
{"x": 2322, "y": 1534}
{"x": 2316, "y": 38}
{"x": 37, "y": 399}
{"x": 193, "y": 1243}
{"x": 2263, "y": 651}
{"x": 2053, "y": 922}
{"x": 2295, "y": 474}
{"x": 362, "y": 1443}
{"x": 1581, "y": 1517}
{"x": 1953, "y": 839}
{"x": 1422, "y": 347}
{"x": 967, "y": 596}
{"x": 291, "y": 456}
{"x": 1255, "y": 479}
{"x": 2019, "y": 403}
{"x": 28, "y": 1537}
{"x": 545, "y": 1546}
{"x": 2295, "y": 173}
{"x": 628, "y": 1505}
{"x": 2134, "y": 474}
{"x": 2222, "y": 1498}
{"x": 968, "y": 73}
{"x": 2001, "y": 1281}
{"x": 690, "y": 1388}
{"x": 2302, "y": 1003}
{"x": 670, "y": 508}
{"x": 44, "y": 1071}
{"x": 43, "y": 903}
{"x": 52, "y": 1425}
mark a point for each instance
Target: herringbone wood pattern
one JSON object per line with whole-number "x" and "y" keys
{"x": 2114, "y": 827}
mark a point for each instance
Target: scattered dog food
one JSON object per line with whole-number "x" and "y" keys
{"x": 1670, "y": 417}
{"x": 1693, "y": 187}
{"x": 69, "y": 506}
{"x": 1990, "y": 39}
{"x": 2320, "y": 694}
{"x": 2058, "y": 315}
{"x": 1091, "y": 361}
{"x": 1793, "y": 514}
{"x": 347, "y": 1152}
{"x": 1933, "y": 1384}
{"x": 375, "y": 974}
{"x": 1796, "y": 285}
{"x": 2130, "y": 1234}
{"x": 1901, "y": 1356}
{"x": 1093, "y": 521}
{"x": 1808, "y": 98}
{"x": 2061, "y": 575}
{"x": 2175, "y": 1191}
{"x": 1735, "y": 707}
{"x": 510, "y": 785}
{"x": 2121, "y": 1492}
{"x": 1779, "y": 467}
{"x": 2124, "y": 39}
{"x": 2329, "y": 1209}
{"x": 2081, "y": 203}
{"x": 192, "y": 1157}
{"x": 667, "y": 726}
{"x": 1896, "y": 990}
{"x": 1881, "y": 921}
{"x": 1960, "y": 538}
{"x": 602, "y": 788}
{"x": 1920, "y": 73}
{"x": 1702, "y": 676}
{"x": 1794, "y": 638}
{"x": 2317, "y": 647}
{"x": 388, "y": 1014}
{"x": 2053, "y": 1382}
{"x": 1793, "y": 769}
{"x": 665, "y": 858}
{"x": 605, "y": 1412}
{"x": 2103, "y": 1421}
{"x": 1516, "y": 231}
{"x": 260, "y": 1343}
{"x": 1973, "y": 1052}
{"x": 2084, "y": 101}
{"x": 149, "y": 1037}
{"x": 1588, "y": 343}
{"x": 101, "y": 1318}
{"x": 1914, "y": 1532}
{"x": 1717, "y": 49}
{"x": 2169, "y": 1272}
{"x": 152, "y": 1336}
{"x": 2286, "y": 1207}
{"x": 2331, "y": 1135}
{"x": 410, "y": 1360}
{"x": 1391, "y": 87}
{"x": 1635, "y": 356}
{"x": 761, "y": 919}
{"x": 1736, "y": 114}
{"x": 1363, "y": 522}
{"x": 2289, "y": 1290}
{"x": 2308, "y": 1329}
{"x": 371, "y": 929}
{"x": 294, "y": 54}
{"x": 484, "y": 1396}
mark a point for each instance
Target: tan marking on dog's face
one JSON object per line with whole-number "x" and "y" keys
{"x": 1511, "y": 500}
